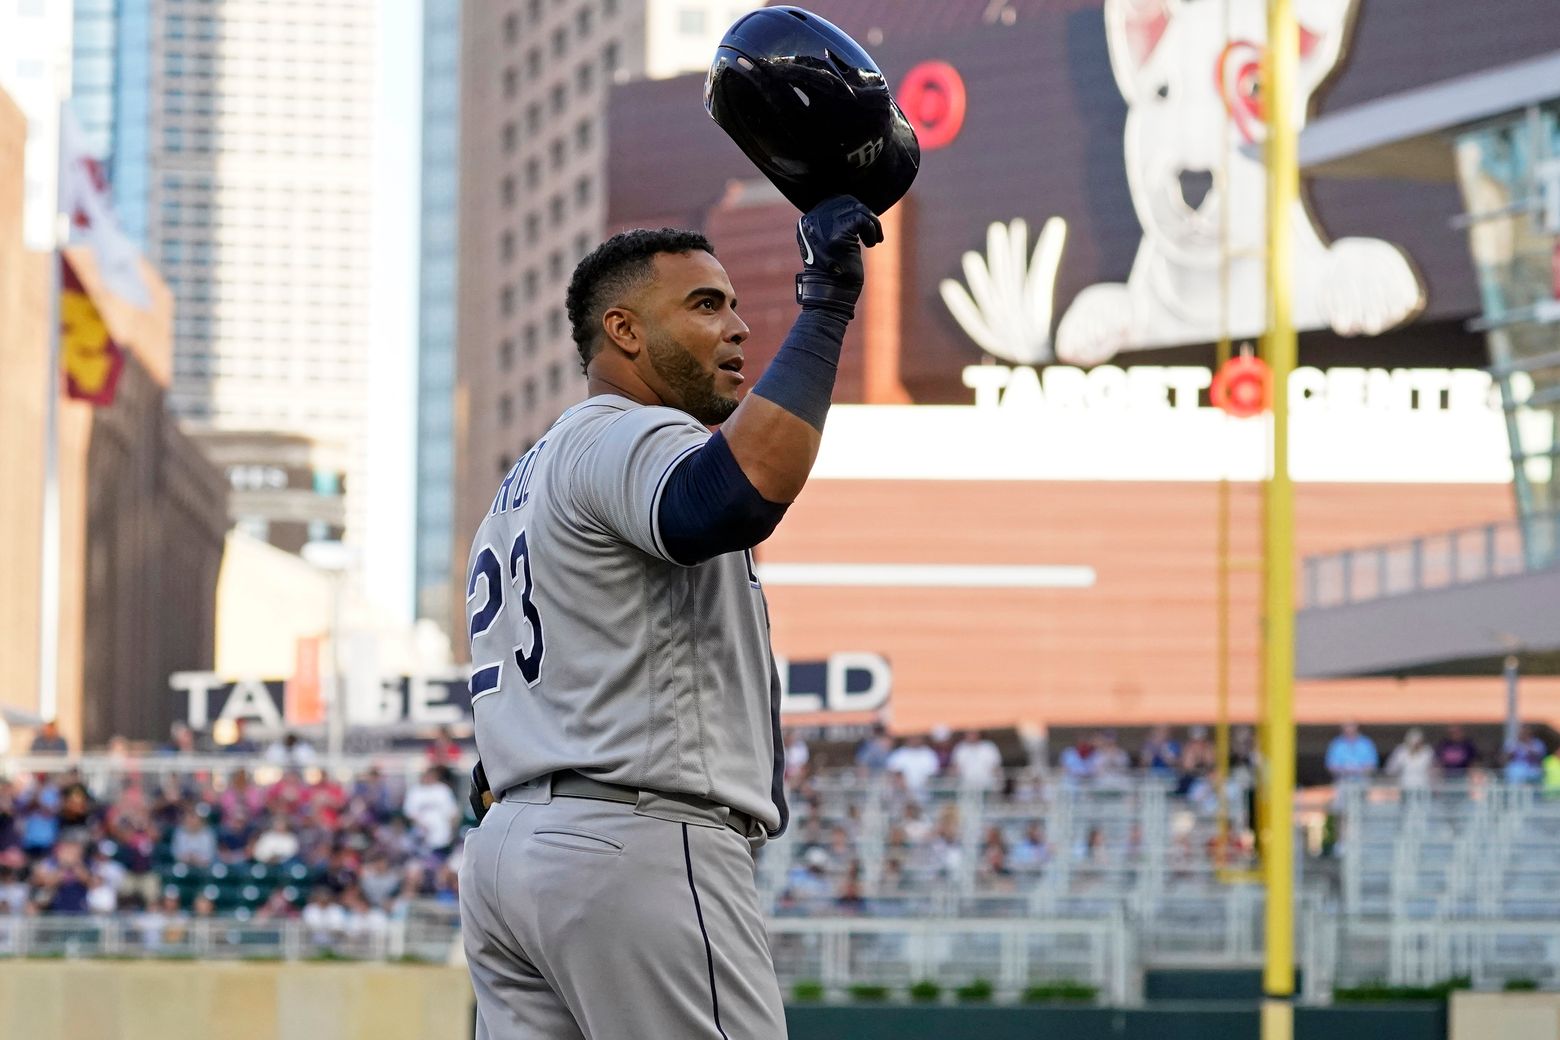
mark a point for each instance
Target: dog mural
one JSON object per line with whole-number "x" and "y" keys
{"x": 1193, "y": 93}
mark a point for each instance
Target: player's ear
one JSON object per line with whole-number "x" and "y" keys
{"x": 621, "y": 327}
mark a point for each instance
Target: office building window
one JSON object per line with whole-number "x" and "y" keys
{"x": 507, "y": 191}
{"x": 506, "y": 246}
{"x": 581, "y": 245}
{"x": 506, "y": 355}
{"x": 506, "y": 301}
{"x": 558, "y": 98}
{"x": 530, "y": 285}
{"x": 555, "y": 210}
{"x": 560, "y": 42}
{"x": 583, "y": 131}
{"x": 585, "y": 77}
{"x": 554, "y": 379}
{"x": 511, "y": 137}
{"x": 530, "y": 394}
{"x": 554, "y": 265}
{"x": 609, "y": 58}
{"x": 533, "y": 10}
{"x": 533, "y": 173}
{"x": 533, "y": 228}
{"x": 529, "y": 339}
{"x": 511, "y": 29}
{"x": 506, "y": 409}
{"x": 554, "y": 324}
{"x": 503, "y": 465}
{"x": 582, "y": 191}
{"x": 555, "y": 153}
{"x": 511, "y": 82}
{"x": 533, "y": 118}
{"x": 533, "y": 63}
{"x": 583, "y": 22}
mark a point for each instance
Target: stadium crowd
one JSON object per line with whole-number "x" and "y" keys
{"x": 342, "y": 857}
{"x": 280, "y": 839}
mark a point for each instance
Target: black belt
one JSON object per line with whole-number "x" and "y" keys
{"x": 567, "y": 783}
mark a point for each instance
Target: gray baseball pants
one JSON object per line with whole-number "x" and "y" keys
{"x": 596, "y": 920}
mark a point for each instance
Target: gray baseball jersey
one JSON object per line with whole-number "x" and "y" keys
{"x": 592, "y": 650}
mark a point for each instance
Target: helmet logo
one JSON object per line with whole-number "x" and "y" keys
{"x": 866, "y": 155}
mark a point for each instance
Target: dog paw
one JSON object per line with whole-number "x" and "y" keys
{"x": 1096, "y": 326}
{"x": 1368, "y": 287}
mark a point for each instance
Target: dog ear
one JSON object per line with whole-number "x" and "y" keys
{"x": 1133, "y": 29}
{"x": 1324, "y": 26}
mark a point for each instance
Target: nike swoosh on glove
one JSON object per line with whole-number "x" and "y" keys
{"x": 830, "y": 237}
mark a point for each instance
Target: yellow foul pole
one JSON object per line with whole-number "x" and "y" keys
{"x": 1278, "y": 102}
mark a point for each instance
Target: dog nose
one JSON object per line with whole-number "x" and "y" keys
{"x": 1195, "y": 185}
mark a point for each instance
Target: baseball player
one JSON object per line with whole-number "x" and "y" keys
{"x": 625, "y": 692}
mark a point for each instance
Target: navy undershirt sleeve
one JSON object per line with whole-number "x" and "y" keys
{"x": 710, "y": 508}
{"x": 801, "y": 377}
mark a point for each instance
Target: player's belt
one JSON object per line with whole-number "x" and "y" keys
{"x": 567, "y": 783}
{"x": 570, "y": 784}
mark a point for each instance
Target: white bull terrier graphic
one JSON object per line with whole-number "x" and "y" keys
{"x": 1193, "y": 92}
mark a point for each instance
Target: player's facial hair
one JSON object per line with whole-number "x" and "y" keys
{"x": 692, "y": 387}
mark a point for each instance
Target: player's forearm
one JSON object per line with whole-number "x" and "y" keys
{"x": 775, "y": 433}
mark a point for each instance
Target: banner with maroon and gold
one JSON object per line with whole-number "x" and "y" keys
{"x": 91, "y": 360}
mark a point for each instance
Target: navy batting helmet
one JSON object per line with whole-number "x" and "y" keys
{"x": 811, "y": 109}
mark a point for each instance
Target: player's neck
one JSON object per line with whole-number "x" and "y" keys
{"x": 619, "y": 381}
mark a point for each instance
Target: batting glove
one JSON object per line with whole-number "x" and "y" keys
{"x": 830, "y": 237}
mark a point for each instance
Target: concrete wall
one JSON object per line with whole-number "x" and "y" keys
{"x": 137, "y": 1000}
{"x": 1509, "y": 1016}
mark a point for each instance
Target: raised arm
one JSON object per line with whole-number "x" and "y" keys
{"x": 731, "y": 493}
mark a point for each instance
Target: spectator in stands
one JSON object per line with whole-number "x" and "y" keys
{"x": 977, "y": 763}
{"x": 434, "y": 813}
{"x": 134, "y": 848}
{"x": 849, "y": 901}
{"x": 1552, "y": 774}
{"x": 61, "y": 881}
{"x": 1199, "y": 758}
{"x": 1032, "y": 851}
{"x": 797, "y": 755}
{"x": 1412, "y": 762}
{"x": 48, "y": 741}
{"x": 1455, "y": 755}
{"x": 1079, "y": 766}
{"x": 234, "y": 835}
{"x": 323, "y": 916}
{"x": 194, "y": 843}
{"x": 40, "y": 823}
{"x": 444, "y": 751}
{"x": 1161, "y": 754}
{"x": 278, "y": 843}
{"x": 379, "y": 881}
{"x": 10, "y": 825}
{"x": 1524, "y": 757}
{"x": 941, "y": 743}
{"x": 290, "y": 750}
{"x": 1112, "y": 764}
{"x": 915, "y": 762}
{"x": 15, "y": 894}
{"x": 107, "y": 879}
{"x": 1352, "y": 756}
{"x": 872, "y": 753}
{"x": 181, "y": 740}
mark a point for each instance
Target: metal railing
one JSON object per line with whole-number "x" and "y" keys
{"x": 1435, "y": 561}
{"x": 1011, "y": 955}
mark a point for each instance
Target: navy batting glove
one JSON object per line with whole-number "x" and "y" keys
{"x": 830, "y": 236}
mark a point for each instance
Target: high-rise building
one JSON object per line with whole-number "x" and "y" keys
{"x": 438, "y": 220}
{"x": 35, "y": 63}
{"x": 238, "y": 136}
{"x": 534, "y": 75}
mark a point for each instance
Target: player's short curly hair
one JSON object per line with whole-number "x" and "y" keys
{"x": 612, "y": 270}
